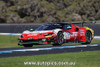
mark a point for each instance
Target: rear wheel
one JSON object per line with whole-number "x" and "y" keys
{"x": 60, "y": 39}
{"x": 88, "y": 37}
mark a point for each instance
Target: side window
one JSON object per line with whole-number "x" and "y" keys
{"x": 68, "y": 26}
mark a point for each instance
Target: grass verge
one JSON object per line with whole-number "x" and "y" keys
{"x": 81, "y": 59}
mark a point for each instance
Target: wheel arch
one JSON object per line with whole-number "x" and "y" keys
{"x": 90, "y": 30}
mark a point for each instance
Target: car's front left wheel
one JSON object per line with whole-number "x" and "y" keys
{"x": 59, "y": 38}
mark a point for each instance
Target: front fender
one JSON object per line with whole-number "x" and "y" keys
{"x": 57, "y": 30}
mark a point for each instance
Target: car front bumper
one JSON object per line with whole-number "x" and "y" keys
{"x": 36, "y": 42}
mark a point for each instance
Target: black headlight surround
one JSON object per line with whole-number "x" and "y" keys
{"x": 21, "y": 36}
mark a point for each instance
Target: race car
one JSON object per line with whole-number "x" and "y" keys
{"x": 56, "y": 34}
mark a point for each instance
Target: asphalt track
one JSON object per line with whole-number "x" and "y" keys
{"x": 19, "y": 28}
{"x": 12, "y": 52}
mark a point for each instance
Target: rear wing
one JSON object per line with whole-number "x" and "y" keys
{"x": 82, "y": 23}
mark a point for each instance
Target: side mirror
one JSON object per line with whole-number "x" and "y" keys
{"x": 31, "y": 29}
{"x": 69, "y": 27}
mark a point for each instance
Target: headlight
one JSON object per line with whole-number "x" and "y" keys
{"x": 48, "y": 34}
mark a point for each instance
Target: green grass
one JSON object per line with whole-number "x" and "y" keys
{"x": 96, "y": 41}
{"x": 97, "y": 21}
{"x": 81, "y": 59}
{"x": 7, "y": 41}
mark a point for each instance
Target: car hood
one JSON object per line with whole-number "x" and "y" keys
{"x": 28, "y": 32}
{"x": 42, "y": 31}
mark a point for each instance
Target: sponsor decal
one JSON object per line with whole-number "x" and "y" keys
{"x": 82, "y": 33}
{"x": 32, "y": 34}
{"x": 69, "y": 35}
{"x": 29, "y": 38}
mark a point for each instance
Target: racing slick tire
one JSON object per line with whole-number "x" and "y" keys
{"x": 60, "y": 39}
{"x": 88, "y": 37}
{"x": 27, "y": 45}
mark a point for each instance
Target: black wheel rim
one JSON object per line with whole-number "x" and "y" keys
{"x": 88, "y": 37}
{"x": 60, "y": 38}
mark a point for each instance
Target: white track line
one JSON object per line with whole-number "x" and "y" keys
{"x": 96, "y": 37}
{"x": 47, "y": 48}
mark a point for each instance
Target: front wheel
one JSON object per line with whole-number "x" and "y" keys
{"x": 60, "y": 39}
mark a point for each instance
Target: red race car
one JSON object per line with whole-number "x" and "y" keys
{"x": 56, "y": 34}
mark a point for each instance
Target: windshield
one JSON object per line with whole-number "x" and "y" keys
{"x": 47, "y": 27}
